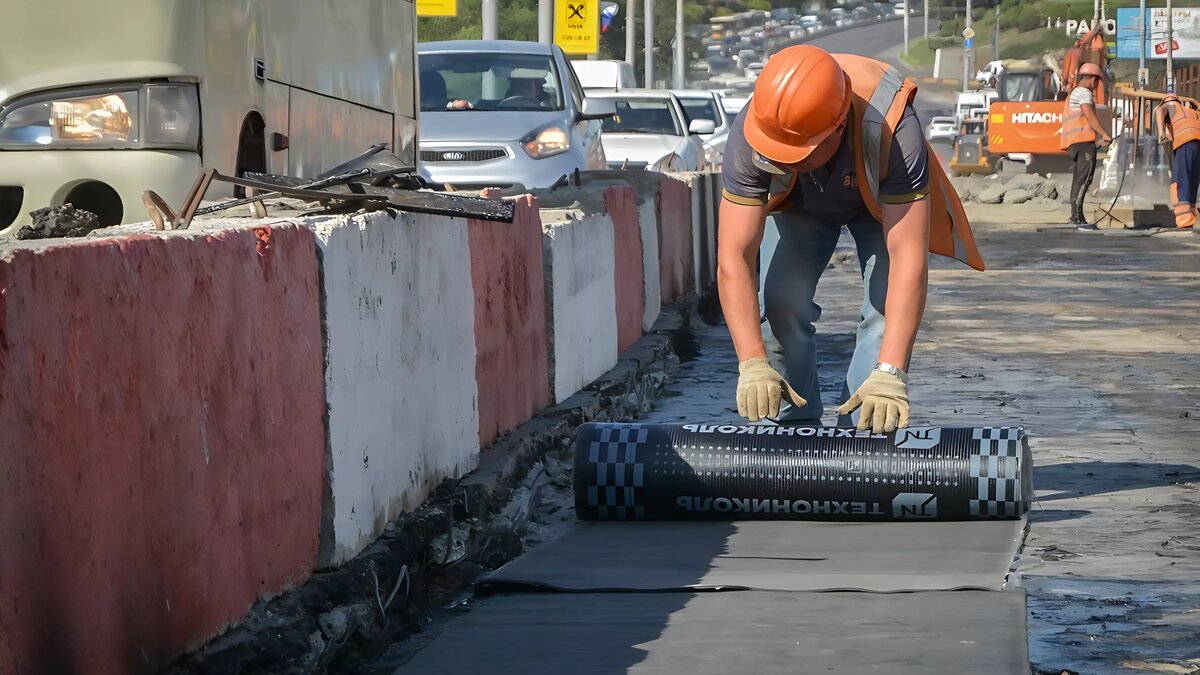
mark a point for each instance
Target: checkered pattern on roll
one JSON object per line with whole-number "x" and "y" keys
{"x": 995, "y": 473}
{"x": 619, "y": 474}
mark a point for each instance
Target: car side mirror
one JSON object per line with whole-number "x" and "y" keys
{"x": 597, "y": 109}
{"x": 702, "y": 127}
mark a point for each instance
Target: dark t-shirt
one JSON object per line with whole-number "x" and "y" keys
{"x": 831, "y": 192}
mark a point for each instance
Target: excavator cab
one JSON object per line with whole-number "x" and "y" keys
{"x": 1027, "y": 83}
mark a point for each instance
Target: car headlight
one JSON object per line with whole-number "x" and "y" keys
{"x": 546, "y": 143}
{"x": 161, "y": 116}
{"x": 712, "y": 155}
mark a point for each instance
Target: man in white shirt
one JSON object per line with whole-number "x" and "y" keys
{"x": 1081, "y": 129}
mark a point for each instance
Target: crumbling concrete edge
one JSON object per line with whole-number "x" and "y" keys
{"x": 303, "y": 630}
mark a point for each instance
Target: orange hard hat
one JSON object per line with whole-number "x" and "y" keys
{"x": 801, "y": 97}
{"x": 1091, "y": 69}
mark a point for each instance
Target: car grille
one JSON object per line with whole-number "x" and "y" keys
{"x": 480, "y": 155}
{"x": 968, "y": 152}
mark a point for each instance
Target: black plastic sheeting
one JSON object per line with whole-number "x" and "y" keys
{"x": 735, "y": 472}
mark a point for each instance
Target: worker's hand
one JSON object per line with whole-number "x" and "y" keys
{"x": 1106, "y": 140}
{"x": 760, "y": 389}
{"x": 884, "y": 402}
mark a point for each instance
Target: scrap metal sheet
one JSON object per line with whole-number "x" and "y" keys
{"x": 741, "y": 632}
{"x": 781, "y": 556}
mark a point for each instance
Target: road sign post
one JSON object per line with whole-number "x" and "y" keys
{"x": 968, "y": 35}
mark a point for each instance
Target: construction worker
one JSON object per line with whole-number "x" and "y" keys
{"x": 1081, "y": 128}
{"x": 829, "y": 140}
{"x": 1180, "y": 125}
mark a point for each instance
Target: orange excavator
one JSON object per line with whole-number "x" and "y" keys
{"x": 1027, "y": 116}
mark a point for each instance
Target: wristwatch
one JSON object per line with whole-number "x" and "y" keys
{"x": 892, "y": 370}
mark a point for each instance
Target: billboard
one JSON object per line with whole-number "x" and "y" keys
{"x": 1186, "y": 26}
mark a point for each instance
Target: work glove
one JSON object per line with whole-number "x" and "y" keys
{"x": 760, "y": 388}
{"x": 884, "y": 402}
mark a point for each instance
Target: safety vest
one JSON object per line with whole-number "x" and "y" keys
{"x": 1075, "y": 127}
{"x": 880, "y": 95}
{"x": 1185, "y": 124}
{"x": 1185, "y": 212}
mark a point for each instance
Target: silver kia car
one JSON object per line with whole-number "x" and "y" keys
{"x": 497, "y": 113}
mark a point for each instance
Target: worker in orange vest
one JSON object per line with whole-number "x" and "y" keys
{"x": 1081, "y": 129}
{"x": 1180, "y": 125}
{"x": 826, "y": 141}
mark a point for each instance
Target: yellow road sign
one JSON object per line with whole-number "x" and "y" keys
{"x": 577, "y": 26}
{"x": 437, "y": 7}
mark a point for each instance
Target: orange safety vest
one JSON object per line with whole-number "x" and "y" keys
{"x": 1185, "y": 124}
{"x": 880, "y": 95}
{"x": 1075, "y": 127}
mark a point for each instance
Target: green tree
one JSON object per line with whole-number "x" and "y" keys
{"x": 1029, "y": 19}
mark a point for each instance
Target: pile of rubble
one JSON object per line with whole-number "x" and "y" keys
{"x": 1019, "y": 189}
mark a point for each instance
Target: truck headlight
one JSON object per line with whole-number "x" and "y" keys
{"x": 546, "y": 143}
{"x": 152, "y": 116}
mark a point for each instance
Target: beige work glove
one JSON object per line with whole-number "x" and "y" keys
{"x": 884, "y": 402}
{"x": 760, "y": 388}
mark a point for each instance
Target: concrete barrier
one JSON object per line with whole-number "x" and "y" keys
{"x": 401, "y": 363}
{"x": 652, "y": 283}
{"x": 510, "y": 321}
{"x": 192, "y": 421}
{"x": 579, "y": 253}
{"x": 675, "y": 238}
{"x": 161, "y": 442}
{"x": 621, "y": 203}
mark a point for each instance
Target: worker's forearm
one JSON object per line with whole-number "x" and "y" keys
{"x": 737, "y": 257}
{"x": 906, "y": 230}
{"x": 908, "y": 284}
{"x": 1089, "y": 112}
{"x": 739, "y": 301}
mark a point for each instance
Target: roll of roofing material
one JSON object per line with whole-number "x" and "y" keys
{"x": 736, "y": 472}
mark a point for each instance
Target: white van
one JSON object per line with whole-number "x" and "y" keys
{"x": 970, "y": 104}
{"x": 97, "y": 105}
{"x": 605, "y": 74}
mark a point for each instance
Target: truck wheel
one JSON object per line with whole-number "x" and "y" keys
{"x": 252, "y": 149}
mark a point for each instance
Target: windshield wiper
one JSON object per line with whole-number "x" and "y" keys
{"x": 642, "y": 130}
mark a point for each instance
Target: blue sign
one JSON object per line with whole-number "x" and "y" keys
{"x": 967, "y": 42}
{"x": 1129, "y": 32}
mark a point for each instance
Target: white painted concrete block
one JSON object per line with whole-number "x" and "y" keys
{"x": 648, "y": 223}
{"x": 580, "y": 255}
{"x": 400, "y": 373}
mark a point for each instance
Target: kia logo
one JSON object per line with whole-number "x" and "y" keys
{"x": 454, "y": 156}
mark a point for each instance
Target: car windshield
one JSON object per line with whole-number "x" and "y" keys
{"x": 642, "y": 116}
{"x": 488, "y": 81}
{"x": 700, "y": 109}
{"x": 1022, "y": 87}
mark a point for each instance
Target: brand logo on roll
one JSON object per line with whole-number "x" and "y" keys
{"x": 764, "y": 430}
{"x": 802, "y": 506}
{"x": 914, "y": 505}
{"x": 918, "y": 438}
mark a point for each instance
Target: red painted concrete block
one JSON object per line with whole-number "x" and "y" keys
{"x": 510, "y": 321}
{"x": 161, "y": 442}
{"x": 675, "y": 249}
{"x": 621, "y": 203}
